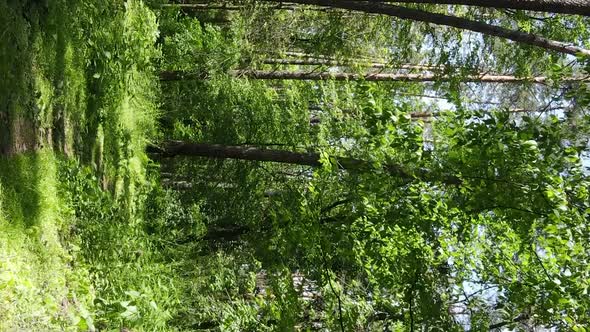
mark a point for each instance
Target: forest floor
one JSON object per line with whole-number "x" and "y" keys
{"x": 77, "y": 106}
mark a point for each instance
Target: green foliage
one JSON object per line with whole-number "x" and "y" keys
{"x": 41, "y": 285}
{"x": 133, "y": 286}
{"x": 85, "y": 86}
{"x": 121, "y": 113}
{"x": 95, "y": 238}
{"x": 191, "y": 46}
{"x": 382, "y": 251}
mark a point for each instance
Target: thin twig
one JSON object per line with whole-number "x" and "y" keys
{"x": 334, "y": 292}
{"x": 541, "y": 262}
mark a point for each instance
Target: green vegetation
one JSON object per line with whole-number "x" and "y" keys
{"x": 236, "y": 166}
{"x": 42, "y": 286}
{"x": 79, "y": 87}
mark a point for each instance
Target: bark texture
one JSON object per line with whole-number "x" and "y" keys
{"x": 188, "y": 7}
{"x": 218, "y": 151}
{"x": 343, "y": 63}
{"x": 575, "y": 7}
{"x": 375, "y": 7}
{"x": 375, "y": 77}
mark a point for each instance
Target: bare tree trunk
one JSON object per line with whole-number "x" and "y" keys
{"x": 447, "y": 20}
{"x": 427, "y": 115}
{"x": 375, "y": 77}
{"x": 576, "y": 7}
{"x": 311, "y": 57}
{"x": 337, "y": 63}
{"x": 180, "y": 148}
{"x": 221, "y": 6}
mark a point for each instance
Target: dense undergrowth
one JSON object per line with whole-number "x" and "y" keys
{"x": 89, "y": 240}
{"x": 41, "y": 285}
{"x": 95, "y": 236}
{"x": 78, "y": 101}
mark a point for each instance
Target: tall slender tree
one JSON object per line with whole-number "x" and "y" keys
{"x": 451, "y": 21}
{"x": 387, "y": 77}
{"x": 217, "y": 151}
{"x": 428, "y": 220}
{"x": 576, "y": 7}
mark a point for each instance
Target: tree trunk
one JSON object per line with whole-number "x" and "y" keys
{"x": 447, "y": 20}
{"x": 343, "y": 63}
{"x": 180, "y": 148}
{"x": 374, "y": 77}
{"x": 576, "y": 7}
{"x": 426, "y": 115}
{"x": 187, "y": 7}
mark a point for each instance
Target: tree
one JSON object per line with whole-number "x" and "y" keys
{"x": 310, "y": 61}
{"x": 448, "y": 20}
{"x": 177, "y": 148}
{"x": 387, "y": 77}
{"x": 575, "y": 7}
{"x": 456, "y": 224}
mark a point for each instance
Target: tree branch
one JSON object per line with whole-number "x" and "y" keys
{"x": 519, "y": 318}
